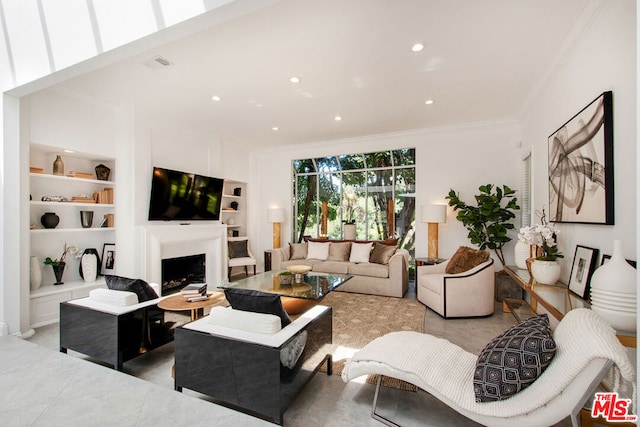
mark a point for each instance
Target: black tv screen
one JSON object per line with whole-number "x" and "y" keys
{"x": 183, "y": 196}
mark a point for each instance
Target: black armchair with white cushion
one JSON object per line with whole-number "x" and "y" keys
{"x": 247, "y": 361}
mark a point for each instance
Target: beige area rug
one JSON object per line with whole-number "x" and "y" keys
{"x": 359, "y": 319}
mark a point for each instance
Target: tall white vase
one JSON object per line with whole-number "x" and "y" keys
{"x": 613, "y": 291}
{"x": 36, "y": 273}
{"x": 521, "y": 254}
{"x": 89, "y": 263}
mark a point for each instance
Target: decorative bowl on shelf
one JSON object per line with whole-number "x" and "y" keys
{"x": 299, "y": 269}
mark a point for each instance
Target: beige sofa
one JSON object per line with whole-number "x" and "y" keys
{"x": 375, "y": 278}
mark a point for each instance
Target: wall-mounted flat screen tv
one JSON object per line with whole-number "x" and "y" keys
{"x": 180, "y": 196}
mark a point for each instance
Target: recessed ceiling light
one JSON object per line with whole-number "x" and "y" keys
{"x": 294, "y": 79}
{"x": 417, "y": 47}
{"x": 337, "y": 118}
{"x": 275, "y": 128}
{"x": 429, "y": 101}
{"x": 69, "y": 151}
{"x": 216, "y": 98}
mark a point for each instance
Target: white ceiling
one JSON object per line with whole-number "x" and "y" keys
{"x": 482, "y": 62}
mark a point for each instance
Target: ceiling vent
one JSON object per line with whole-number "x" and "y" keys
{"x": 158, "y": 62}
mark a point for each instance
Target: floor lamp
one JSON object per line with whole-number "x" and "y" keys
{"x": 276, "y": 216}
{"x": 433, "y": 215}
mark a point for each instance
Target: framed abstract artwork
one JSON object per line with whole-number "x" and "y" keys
{"x": 606, "y": 258}
{"x": 581, "y": 187}
{"x": 584, "y": 263}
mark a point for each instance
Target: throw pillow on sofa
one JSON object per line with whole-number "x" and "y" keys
{"x": 297, "y": 251}
{"x": 339, "y": 251}
{"x": 137, "y": 286}
{"x": 381, "y": 254}
{"x": 317, "y": 250}
{"x": 360, "y": 252}
{"x": 465, "y": 259}
{"x": 513, "y": 360}
{"x": 258, "y": 302}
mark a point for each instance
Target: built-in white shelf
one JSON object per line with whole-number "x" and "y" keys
{"x": 77, "y": 204}
{"x": 73, "y": 285}
{"x": 72, "y": 179}
{"x": 64, "y": 230}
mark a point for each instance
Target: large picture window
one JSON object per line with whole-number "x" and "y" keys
{"x": 374, "y": 190}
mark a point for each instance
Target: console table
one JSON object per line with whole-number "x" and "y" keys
{"x": 556, "y": 299}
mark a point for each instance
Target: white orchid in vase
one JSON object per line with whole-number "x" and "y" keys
{"x": 544, "y": 237}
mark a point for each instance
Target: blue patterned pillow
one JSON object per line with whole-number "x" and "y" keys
{"x": 513, "y": 360}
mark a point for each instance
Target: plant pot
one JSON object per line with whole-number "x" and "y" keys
{"x": 58, "y": 271}
{"x": 349, "y": 232}
{"x": 546, "y": 272}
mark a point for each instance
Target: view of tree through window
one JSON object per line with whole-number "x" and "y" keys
{"x": 376, "y": 190}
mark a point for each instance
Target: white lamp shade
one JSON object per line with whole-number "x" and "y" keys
{"x": 433, "y": 213}
{"x": 275, "y": 215}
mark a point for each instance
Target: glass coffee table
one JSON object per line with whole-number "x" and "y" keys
{"x": 298, "y": 296}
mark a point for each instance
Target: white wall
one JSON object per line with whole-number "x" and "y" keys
{"x": 603, "y": 59}
{"x": 462, "y": 158}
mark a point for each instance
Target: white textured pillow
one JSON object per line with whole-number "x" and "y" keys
{"x": 248, "y": 321}
{"x": 318, "y": 250}
{"x": 360, "y": 252}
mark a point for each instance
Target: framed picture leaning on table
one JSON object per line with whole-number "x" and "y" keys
{"x": 584, "y": 262}
{"x": 108, "y": 259}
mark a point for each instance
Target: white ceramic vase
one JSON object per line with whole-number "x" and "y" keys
{"x": 36, "y": 273}
{"x": 89, "y": 267}
{"x": 613, "y": 291}
{"x": 521, "y": 254}
{"x": 349, "y": 232}
{"x": 546, "y": 272}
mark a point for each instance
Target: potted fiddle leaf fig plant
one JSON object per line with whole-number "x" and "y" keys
{"x": 489, "y": 221}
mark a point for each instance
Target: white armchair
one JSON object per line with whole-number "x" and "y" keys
{"x": 467, "y": 294}
{"x": 240, "y": 254}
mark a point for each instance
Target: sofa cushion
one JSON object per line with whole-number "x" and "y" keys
{"x": 111, "y": 297}
{"x": 297, "y": 251}
{"x": 137, "y": 286}
{"x": 381, "y": 254}
{"x": 369, "y": 269}
{"x": 360, "y": 252}
{"x": 465, "y": 259}
{"x": 238, "y": 249}
{"x": 339, "y": 251}
{"x": 317, "y": 250}
{"x": 258, "y": 302}
{"x": 259, "y": 323}
{"x": 513, "y": 360}
{"x": 337, "y": 267}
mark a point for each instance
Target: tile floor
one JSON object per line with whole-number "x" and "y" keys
{"x": 328, "y": 400}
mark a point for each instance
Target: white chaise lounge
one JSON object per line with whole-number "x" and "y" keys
{"x": 587, "y": 347}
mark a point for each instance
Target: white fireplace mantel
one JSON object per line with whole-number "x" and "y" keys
{"x": 172, "y": 241}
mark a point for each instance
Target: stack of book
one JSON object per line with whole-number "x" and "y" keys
{"x": 195, "y": 292}
{"x": 82, "y": 199}
{"x": 76, "y": 174}
{"x": 104, "y": 196}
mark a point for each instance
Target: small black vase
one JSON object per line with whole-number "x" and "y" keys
{"x": 89, "y": 251}
{"x": 58, "y": 270}
{"x": 50, "y": 220}
{"x": 102, "y": 172}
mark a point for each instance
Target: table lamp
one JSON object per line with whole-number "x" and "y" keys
{"x": 276, "y": 216}
{"x": 433, "y": 215}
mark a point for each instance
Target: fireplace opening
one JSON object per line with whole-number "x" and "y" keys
{"x": 179, "y": 272}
